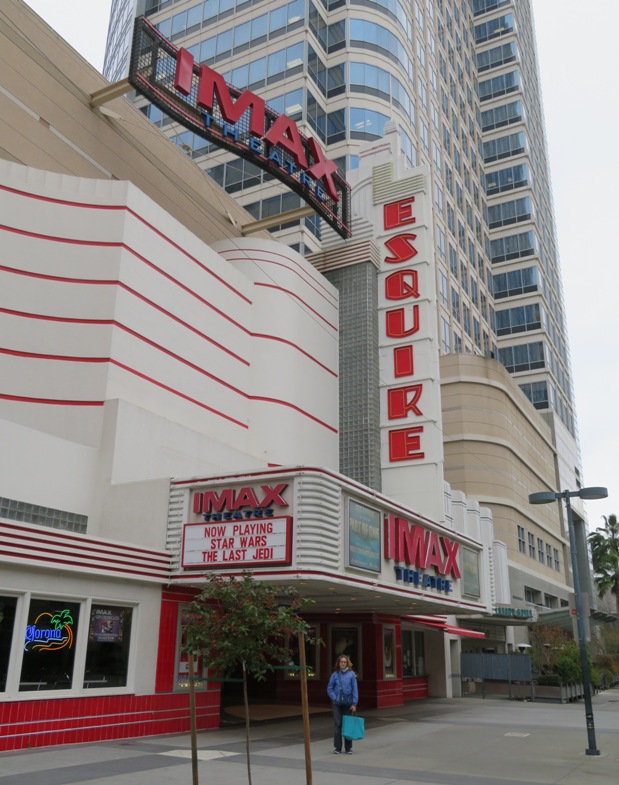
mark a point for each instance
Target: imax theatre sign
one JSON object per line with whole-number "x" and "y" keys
{"x": 239, "y": 121}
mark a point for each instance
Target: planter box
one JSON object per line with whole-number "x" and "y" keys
{"x": 559, "y": 693}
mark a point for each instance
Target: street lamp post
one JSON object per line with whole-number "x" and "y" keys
{"x": 546, "y": 497}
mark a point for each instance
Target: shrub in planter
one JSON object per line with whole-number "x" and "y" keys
{"x": 549, "y": 680}
{"x": 568, "y": 663}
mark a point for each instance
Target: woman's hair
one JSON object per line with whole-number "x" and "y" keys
{"x": 336, "y": 667}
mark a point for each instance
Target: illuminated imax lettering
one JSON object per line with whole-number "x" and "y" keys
{"x": 237, "y": 503}
{"x": 240, "y": 121}
{"x": 421, "y": 548}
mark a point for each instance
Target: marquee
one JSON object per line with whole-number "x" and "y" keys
{"x": 239, "y": 121}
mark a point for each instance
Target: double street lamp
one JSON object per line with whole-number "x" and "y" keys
{"x": 546, "y": 497}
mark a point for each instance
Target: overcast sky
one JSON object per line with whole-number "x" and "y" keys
{"x": 577, "y": 53}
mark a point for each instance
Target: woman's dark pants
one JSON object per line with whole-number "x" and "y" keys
{"x": 338, "y": 713}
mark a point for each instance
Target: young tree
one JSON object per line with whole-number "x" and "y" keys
{"x": 604, "y": 544}
{"x": 242, "y": 621}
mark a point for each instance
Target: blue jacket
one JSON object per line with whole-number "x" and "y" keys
{"x": 342, "y": 688}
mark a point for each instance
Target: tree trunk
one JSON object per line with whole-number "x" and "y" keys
{"x": 246, "y": 702}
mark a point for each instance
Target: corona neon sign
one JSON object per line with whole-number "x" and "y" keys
{"x": 240, "y": 121}
{"x": 50, "y": 632}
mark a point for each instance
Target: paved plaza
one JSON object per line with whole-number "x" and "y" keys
{"x": 471, "y": 741}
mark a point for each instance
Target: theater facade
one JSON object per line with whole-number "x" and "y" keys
{"x": 170, "y": 406}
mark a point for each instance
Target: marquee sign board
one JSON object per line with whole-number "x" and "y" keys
{"x": 239, "y": 121}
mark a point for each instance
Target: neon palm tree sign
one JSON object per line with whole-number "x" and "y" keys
{"x": 50, "y": 632}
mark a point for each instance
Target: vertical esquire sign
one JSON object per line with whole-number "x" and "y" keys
{"x": 240, "y": 121}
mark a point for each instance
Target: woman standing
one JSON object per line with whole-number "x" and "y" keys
{"x": 343, "y": 692}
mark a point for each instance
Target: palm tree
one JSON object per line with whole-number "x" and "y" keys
{"x": 604, "y": 544}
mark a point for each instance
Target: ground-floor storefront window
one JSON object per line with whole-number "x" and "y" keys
{"x": 107, "y": 652}
{"x": 51, "y": 643}
{"x": 7, "y": 622}
{"x": 413, "y": 654}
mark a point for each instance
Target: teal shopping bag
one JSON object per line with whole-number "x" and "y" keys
{"x": 353, "y": 727}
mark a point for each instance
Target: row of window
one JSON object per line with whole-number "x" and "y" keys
{"x": 16, "y": 510}
{"x": 457, "y": 346}
{"x": 484, "y": 6}
{"x": 280, "y": 20}
{"x": 543, "y": 599}
{"x": 211, "y": 9}
{"x": 244, "y": 36}
{"x": 55, "y": 630}
{"x": 266, "y": 70}
{"x": 542, "y": 552}
{"x": 362, "y": 33}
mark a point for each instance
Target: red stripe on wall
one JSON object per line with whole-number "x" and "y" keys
{"x": 295, "y": 296}
{"x": 49, "y": 401}
{"x": 125, "y": 208}
{"x": 161, "y": 560}
{"x": 62, "y": 536}
{"x": 159, "y": 575}
{"x": 256, "y": 258}
{"x": 128, "y": 289}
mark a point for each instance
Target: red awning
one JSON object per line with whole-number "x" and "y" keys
{"x": 438, "y": 624}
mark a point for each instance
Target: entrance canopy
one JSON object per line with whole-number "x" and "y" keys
{"x": 438, "y": 624}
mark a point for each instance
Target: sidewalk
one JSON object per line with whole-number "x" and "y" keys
{"x": 470, "y": 741}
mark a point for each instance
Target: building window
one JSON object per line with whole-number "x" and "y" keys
{"x": 389, "y": 669}
{"x": 520, "y": 319}
{"x": 345, "y": 640}
{"x": 512, "y": 212}
{"x": 548, "y": 555}
{"x": 445, "y": 333}
{"x": 540, "y": 550}
{"x": 516, "y": 282}
{"x": 507, "y": 179}
{"x": 525, "y": 357}
{"x": 16, "y": 510}
{"x": 522, "y": 546}
{"x": 555, "y": 554}
{"x": 443, "y": 289}
{"x": 499, "y": 55}
{"x": 541, "y": 394}
{"x": 413, "y": 654}
{"x": 504, "y": 147}
{"x": 107, "y": 651}
{"x": 531, "y": 545}
{"x": 502, "y": 25}
{"x": 311, "y": 655}
{"x": 49, "y": 645}
{"x": 8, "y": 607}
{"x": 499, "y": 85}
{"x": 500, "y": 116}
{"x": 532, "y": 596}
